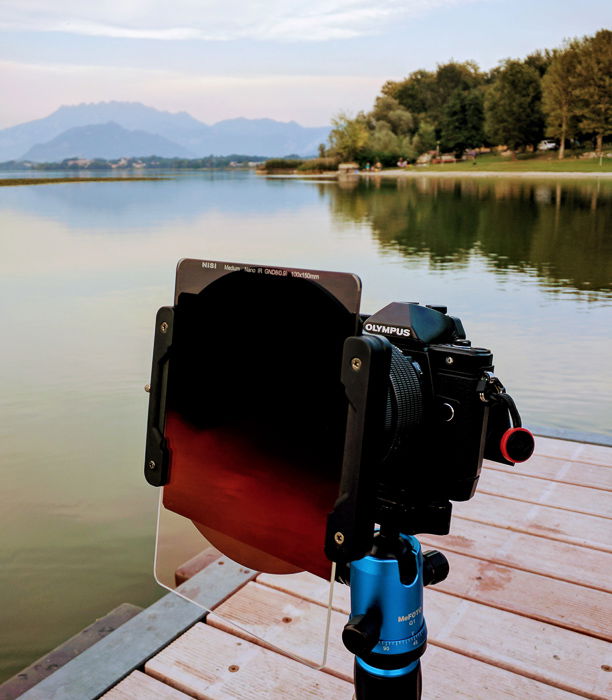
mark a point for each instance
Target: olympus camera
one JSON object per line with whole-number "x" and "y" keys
{"x": 445, "y": 410}
{"x": 272, "y": 397}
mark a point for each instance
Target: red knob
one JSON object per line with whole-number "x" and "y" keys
{"x": 517, "y": 444}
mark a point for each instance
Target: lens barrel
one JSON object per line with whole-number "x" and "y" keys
{"x": 404, "y": 399}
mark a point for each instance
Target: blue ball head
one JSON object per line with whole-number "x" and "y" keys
{"x": 386, "y": 630}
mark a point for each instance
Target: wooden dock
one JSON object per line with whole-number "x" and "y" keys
{"x": 526, "y": 611}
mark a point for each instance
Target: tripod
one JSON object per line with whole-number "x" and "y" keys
{"x": 386, "y": 630}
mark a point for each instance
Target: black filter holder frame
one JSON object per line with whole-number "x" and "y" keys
{"x": 365, "y": 370}
{"x": 157, "y": 454}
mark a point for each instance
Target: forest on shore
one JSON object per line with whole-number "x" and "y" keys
{"x": 564, "y": 94}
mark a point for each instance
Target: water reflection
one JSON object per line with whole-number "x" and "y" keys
{"x": 182, "y": 198}
{"x": 558, "y": 232}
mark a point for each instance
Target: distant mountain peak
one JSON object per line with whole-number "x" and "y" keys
{"x": 109, "y": 141}
{"x": 118, "y": 104}
{"x": 189, "y": 136}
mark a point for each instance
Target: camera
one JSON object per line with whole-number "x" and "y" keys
{"x": 442, "y": 416}
{"x": 285, "y": 425}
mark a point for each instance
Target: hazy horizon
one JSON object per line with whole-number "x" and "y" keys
{"x": 288, "y": 62}
{"x": 167, "y": 111}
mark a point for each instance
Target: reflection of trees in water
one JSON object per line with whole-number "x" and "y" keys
{"x": 554, "y": 230}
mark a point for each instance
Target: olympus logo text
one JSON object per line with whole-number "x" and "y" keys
{"x": 387, "y": 330}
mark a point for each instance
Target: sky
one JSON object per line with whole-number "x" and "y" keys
{"x": 302, "y": 60}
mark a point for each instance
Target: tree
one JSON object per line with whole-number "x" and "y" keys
{"x": 414, "y": 93}
{"x": 559, "y": 99}
{"x": 383, "y": 141}
{"x": 449, "y": 79}
{"x": 425, "y": 95}
{"x": 389, "y": 110}
{"x": 513, "y": 112}
{"x": 425, "y": 138}
{"x": 348, "y": 137}
{"x": 540, "y": 60}
{"x": 383, "y": 104}
{"x": 462, "y": 121}
{"x": 594, "y": 85}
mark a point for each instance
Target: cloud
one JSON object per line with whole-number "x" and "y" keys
{"x": 214, "y": 20}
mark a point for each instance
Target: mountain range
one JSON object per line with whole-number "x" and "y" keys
{"x": 114, "y": 129}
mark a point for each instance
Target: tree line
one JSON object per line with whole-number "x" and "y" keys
{"x": 563, "y": 93}
{"x": 130, "y": 163}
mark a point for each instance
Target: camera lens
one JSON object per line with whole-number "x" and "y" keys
{"x": 404, "y": 399}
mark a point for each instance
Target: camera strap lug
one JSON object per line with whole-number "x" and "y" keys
{"x": 489, "y": 387}
{"x": 491, "y": 390}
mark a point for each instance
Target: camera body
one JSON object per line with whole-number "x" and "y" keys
{"x": 438, "y": 420}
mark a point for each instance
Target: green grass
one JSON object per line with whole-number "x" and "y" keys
{"x": 526, "y": 163}
{"x": 12, "y": 181}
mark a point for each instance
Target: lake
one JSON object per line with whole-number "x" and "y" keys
{"x": 527, "y": 265}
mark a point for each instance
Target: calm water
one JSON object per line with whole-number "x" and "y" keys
{"x": 526, "y": 265}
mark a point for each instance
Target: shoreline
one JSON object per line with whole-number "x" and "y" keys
{"x": 334, "y": 176}
{"x": 539, "y": 174}
{"x": 22, "y": 181}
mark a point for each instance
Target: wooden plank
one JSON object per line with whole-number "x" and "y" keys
{"x": 559, "y": 560}
{"x": 448, "y": 675}
{"x": 49, "y": 663}
{"x": 522, "y": 487}
{"x": 198, "y": 563}
{"x": 104, "y": 664}
{"x": 545, "y": 521}
{"x": 559, "y": 657}
{"x": 566, "y": 471}
{"x": 557, "y": 602}
{"x": 575, "y": 451}
{"x": 287, "y": 623}
{"x": 311, "y": 588}
{"x": 209, "y": 664}
{"x": 138, "y": 686}
{"x": 553, "y": 655}
{"x": 100, "y": 667}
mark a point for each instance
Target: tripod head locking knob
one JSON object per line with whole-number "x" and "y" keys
{"x": 435, "y": 567}
{"x": 362, "y": 632}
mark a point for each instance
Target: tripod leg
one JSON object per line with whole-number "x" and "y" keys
{"x": 370, "y": 686}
